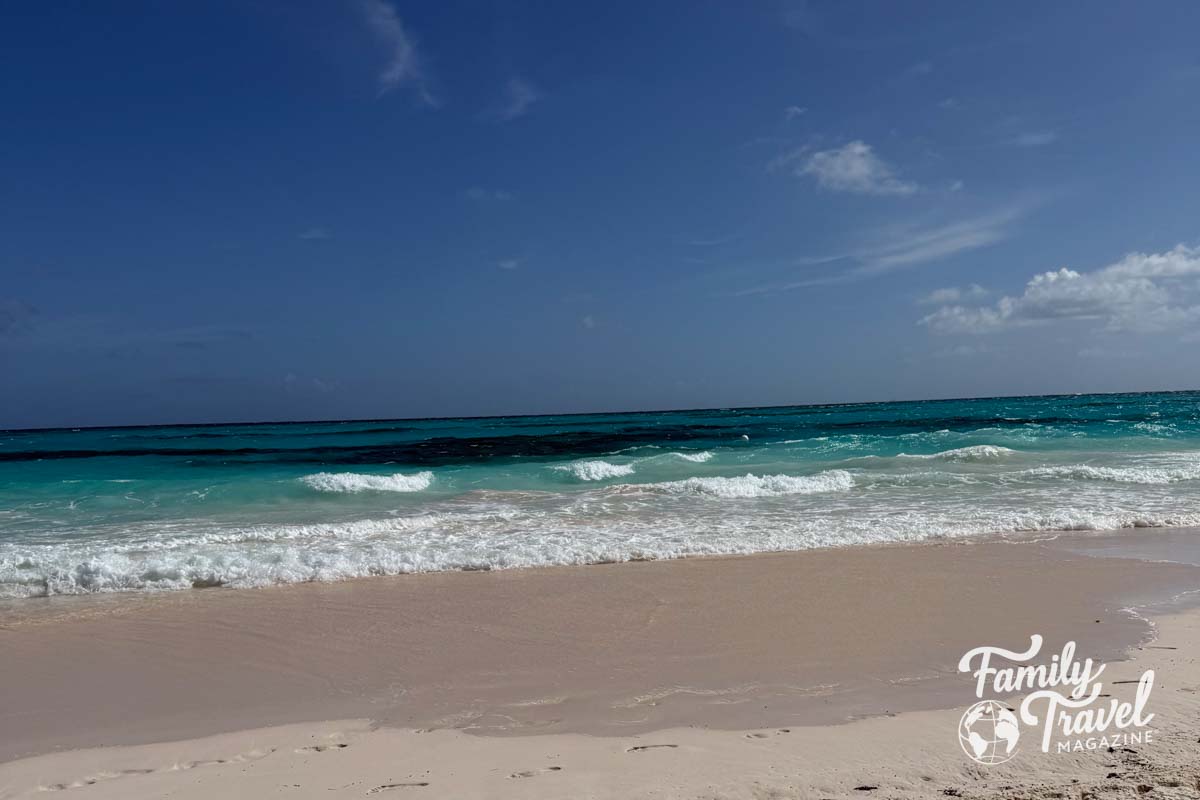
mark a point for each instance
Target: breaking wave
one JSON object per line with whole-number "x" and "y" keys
{"x": 354, "y": 482}
{"x": 1144, "y": 475}
{"x": 836, "y": 480}
{"x": 153, "y": 509}
{"x": 595, "y": 470}
{"x": 977, "y": 452}
{"x": 500, "y": 539}
{"x": 695, "y": 458}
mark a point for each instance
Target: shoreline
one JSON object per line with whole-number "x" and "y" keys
{"x": 716, "y": 641}
{"x": 17, "y": 612}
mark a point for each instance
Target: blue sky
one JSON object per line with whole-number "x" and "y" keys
{"x": 276, "y": 210}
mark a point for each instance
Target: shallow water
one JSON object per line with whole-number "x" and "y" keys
{"x": 129, "y": 509}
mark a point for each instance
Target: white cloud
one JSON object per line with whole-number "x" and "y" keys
{"x": 519, "y": 95}
{"x": 403, "y": 68}
{"x": 508, "y": 263}
{"x": 786, "y": 159}
{"x": 1035, "y": 139}
{"x": 904, "y": 246}
{"x": 791, "y": 112}
{"x": 1142, "y": 292}
{"x": 588, "y": 322}
{"x": 854, "y": 168}
{"x": 953, "y": 294}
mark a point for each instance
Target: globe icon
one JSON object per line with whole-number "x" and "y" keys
{"x": 988, "y": 732}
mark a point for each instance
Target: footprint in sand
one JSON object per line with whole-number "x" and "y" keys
{"x": 529, "y": 773}
{"x": 241, "y": 758}
{"x": 641, "y": 747}
{"x": 389, "y": 786}
{"x": 760, "y": 735}
{"x": 92, "y": 780}
{"x": 321, "y": 748}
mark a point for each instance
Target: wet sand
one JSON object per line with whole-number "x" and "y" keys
{"x": 913, "y": 755}
{"x": 739, "y": 643}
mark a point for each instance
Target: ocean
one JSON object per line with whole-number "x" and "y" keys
{"x": 181, "y": 507}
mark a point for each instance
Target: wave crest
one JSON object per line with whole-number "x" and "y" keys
{"x": 1143, "y": 475}
{"x": 976, "y": 452}
{"x": 835, "y": 480}
{"x": 354, "y": 482}
{"x": 595, "y": 470}
{"x": 695, "y": 458}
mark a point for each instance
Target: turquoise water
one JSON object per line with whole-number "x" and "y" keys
{"x": 135, "y": 509}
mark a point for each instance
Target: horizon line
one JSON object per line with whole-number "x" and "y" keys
{"x": 366, "y": 420}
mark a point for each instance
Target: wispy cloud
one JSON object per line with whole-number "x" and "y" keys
{"x": 791, "y": 112}
{"x": 404, "y": 67}
{"x": 519, "y": 96}
{"x": 508, "y": 263}
{"x": 294, "y": 383}
{"x": 712, "y": 241}
{"x": 953, "y": 294}
{"x": 21, "y": 326}
{"x": 588, "y": 322}
{"x": 314, "y": 234}
{"x": 480, "y": 195}
{"x": 909, "y": 245}
{"x": 854, "y": 168}
{"x": 16, "y": 316}
{"x": 1035, "y": 139}
{"x": 901, "y": 247}
{"x": 965, "y": 351}
{"x": 1142, "y": 292}
{"x": 1107, "y": 353}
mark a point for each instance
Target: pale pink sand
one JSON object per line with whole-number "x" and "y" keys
{"x": 734, "y": 647}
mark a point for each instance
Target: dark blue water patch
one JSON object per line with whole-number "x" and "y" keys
{"x": 436, "y": 451}
{"x": 429, "y": 443}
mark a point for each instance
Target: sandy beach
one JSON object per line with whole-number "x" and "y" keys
{"x": 776, "y": 675}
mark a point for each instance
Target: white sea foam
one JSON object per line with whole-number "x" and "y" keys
{"x": 750, "y": 485}
{"x": 529, "y": 513}
{"x": 507, "y": 538}
{"x": 595, "y": 470}
{"x": 1138, "y": 474}
{"x": 355, "y": 482}
{"x": 976, "y": 452}
{"x": 696, "y": 458}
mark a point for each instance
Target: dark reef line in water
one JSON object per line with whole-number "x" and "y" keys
{"x": 446, "y": 450}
